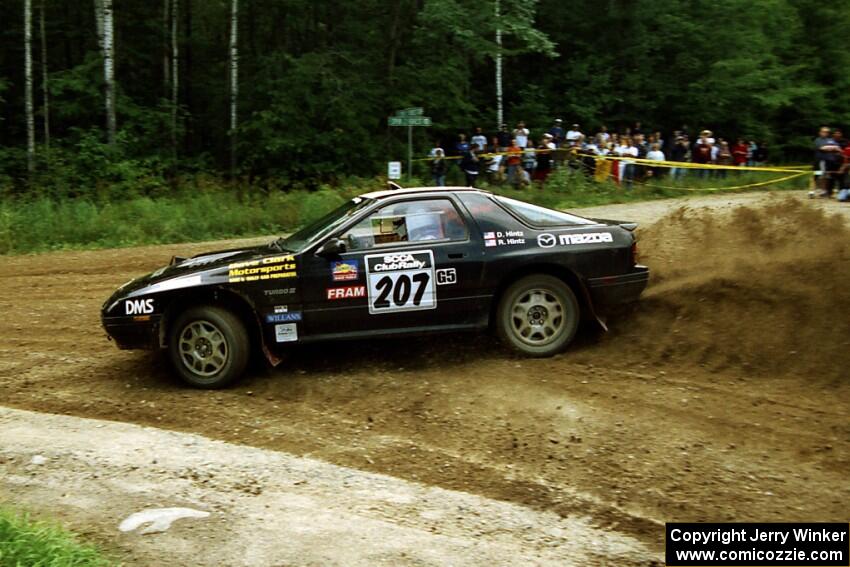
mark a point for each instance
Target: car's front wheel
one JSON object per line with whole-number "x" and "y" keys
{"x": 538, "y": 315}
{"x": 208, "y": 347}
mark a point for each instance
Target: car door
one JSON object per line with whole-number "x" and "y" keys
{"x": 411, "y": 264}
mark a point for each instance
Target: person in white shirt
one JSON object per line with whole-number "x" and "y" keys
{"x": 548, "y": 141}
{"x": 521, "y": 134}
{"x": 573, "y": 135}
{"x": 479, "y": 139}
{"x": 655, "y": 154}
{"x": 627, "y": 166}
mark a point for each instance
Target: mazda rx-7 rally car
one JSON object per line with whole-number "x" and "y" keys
{"x": 385, "y": 264}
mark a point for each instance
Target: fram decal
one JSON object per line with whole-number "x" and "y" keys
{"x": 283, "y": 317}
{"x": 138, "y": 306}
{"x": 549, "y": 240}
{"x": 345, "y": 270}
{"x": 446, "y": 276}
{"x": 347, "y": 292}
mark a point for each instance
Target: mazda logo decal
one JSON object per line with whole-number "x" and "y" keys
{"x": 546, "y": 240}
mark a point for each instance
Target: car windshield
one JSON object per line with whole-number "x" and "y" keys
{"x": 540, "y": 216}
{"x": 299, "y": 240}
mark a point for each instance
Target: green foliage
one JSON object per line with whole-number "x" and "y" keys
{"x": 318, "y": 78}
{"x": 24, "y": 541}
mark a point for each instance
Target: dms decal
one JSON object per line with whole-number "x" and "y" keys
{"x": 345, "y": 270}
{"x": 272, "y": 268}
{"x": 503, "y": 238}
{"x": 347, "y": 292}
{"x": 138, "y": 306}
{"x": 446, "y": 276}
{"x": 402, "y": 281}
{"x": 286, "y": 333}
{"x": 284, "y": 317}
{"x": 549, "y": 240}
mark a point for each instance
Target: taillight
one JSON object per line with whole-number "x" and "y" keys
{"x": 634, "y": 252}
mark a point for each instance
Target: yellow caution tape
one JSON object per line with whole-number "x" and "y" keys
{"x": 759, "y": 184}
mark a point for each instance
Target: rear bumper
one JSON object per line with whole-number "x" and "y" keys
{"x": 624, "y": 288}
{"x": 133, "y": 332}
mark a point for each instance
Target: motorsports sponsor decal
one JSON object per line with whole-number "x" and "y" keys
{"x": 347, "y": 292}
{"x": 283, "y": 317}
{"x": 548, "y": 240}
{"x": 401, "y": 281}
{"x": 138, "y": 306}
{"x": 281, "y": 291}
{"x": 286, "y": 333}
{"x": 503, "y": 238}
{"x": 272, "y": 268}
{"x": 345, "y": 270}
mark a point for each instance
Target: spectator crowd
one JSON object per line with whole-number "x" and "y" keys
{"x": 513, "y": 156}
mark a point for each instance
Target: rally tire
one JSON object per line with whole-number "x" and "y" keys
{"x": 538, "y": 316}
{"x": 208, "y": 347}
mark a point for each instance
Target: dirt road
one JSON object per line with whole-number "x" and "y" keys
{"x": 723, "y": 395}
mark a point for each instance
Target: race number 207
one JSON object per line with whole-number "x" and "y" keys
{"x": 402, "y": 281}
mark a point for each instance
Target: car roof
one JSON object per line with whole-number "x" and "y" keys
{"x": 415, "y": 190}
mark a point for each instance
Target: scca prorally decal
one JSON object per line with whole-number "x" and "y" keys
{"x": 446, "y": 276}
{"x": 138, "y": 306}
{"x": 549, "y": 240}
{"x": 401, "y": 281}
{"x": 283, "y": 317}
{"x": 504, "y": 238}
{"x": 286, "y": 333}
{"x": 347, "y": 292}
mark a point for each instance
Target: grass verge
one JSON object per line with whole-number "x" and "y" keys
{"x": 41, "y": 224}
{"x": 30, "y": 543}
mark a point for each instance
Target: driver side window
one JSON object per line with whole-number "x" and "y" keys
{"x": 408, "y": 221}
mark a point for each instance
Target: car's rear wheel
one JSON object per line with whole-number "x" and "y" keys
{"x": 538, "y": 315}
{"x": 208, "y": 347}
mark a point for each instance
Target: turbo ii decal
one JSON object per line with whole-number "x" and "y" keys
{"x": 401, "y": 281}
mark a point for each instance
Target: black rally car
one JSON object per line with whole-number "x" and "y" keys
{"x": 388, "y": 263}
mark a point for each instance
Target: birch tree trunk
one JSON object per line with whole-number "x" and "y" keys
{"x": 175, "y": 75}
{"x": 98, "y": 20}
{"x": 45, "y": 86}
{"x": 166, "y": 59}
{"x": 500, "y": 115}
{"x": 28, "y": 85}
{"x": 234, "y": 81}
{"x": 109, "y": 70}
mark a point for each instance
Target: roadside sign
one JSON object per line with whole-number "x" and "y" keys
{"x": 409, "y": 121}
{"x": 410, "y": 117}
{"x": 394, "y": 170}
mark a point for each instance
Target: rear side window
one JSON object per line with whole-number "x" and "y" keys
{"x": 536, "y": 215}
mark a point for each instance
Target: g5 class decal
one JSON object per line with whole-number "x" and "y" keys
{"x": 401, "y": 281}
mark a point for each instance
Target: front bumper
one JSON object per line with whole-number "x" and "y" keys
{"x": 139, "y": 332}
{"x": 624, "y": 288}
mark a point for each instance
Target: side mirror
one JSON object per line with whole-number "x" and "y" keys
{"x": 332, "y": 247}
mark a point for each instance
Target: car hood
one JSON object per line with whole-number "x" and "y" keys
{"x": 208, "y": 263}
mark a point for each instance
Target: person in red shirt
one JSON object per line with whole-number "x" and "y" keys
{"x": 843, "y": 175}
{"x": 739, "y": 153}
